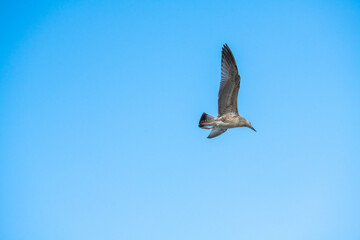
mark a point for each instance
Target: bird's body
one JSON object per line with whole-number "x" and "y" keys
{"x": 228, "y": 115}
{"x": 230, "y": 121}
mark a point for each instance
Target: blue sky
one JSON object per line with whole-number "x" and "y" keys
{"x": 99, "y": 105}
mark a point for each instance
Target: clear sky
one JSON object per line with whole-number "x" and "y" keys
{"x": 99, "y": 107}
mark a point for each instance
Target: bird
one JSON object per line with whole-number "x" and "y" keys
{"x": 228, "y": 115}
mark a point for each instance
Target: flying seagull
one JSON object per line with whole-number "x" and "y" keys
{"x": 228, "y": 115}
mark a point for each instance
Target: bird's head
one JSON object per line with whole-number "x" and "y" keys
{"x": 248, "y": 124}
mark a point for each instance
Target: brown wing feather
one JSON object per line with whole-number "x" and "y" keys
{"x": 229, "y": 85}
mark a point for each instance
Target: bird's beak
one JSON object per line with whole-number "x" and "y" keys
{"x": 252, "y": 128}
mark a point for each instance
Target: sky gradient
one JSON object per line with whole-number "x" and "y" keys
{"x": 99, "y": 106}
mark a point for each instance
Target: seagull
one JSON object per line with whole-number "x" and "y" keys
{"x": 228, "y": 115}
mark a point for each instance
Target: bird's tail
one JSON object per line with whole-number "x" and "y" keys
{"x": 205, "y": 118}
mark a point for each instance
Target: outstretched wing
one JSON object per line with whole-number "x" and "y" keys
{"x": 216, "y": 132}
{"x": 230, "y": 83}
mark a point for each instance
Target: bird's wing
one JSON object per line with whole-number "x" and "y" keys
{"x": 216, "y": 131}
{"x": 229, "y": 85}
